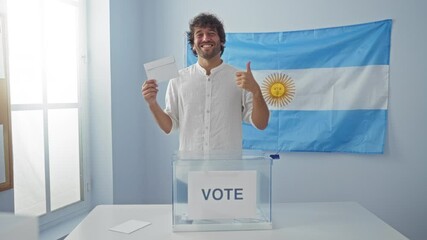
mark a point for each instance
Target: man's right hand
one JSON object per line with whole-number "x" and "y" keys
{"x": 149, "y": 91}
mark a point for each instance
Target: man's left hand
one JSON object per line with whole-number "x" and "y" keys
{"x": 246, "y": 80}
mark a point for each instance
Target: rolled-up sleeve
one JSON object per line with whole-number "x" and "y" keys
{"x": 171, "y": 103}
{"x": 247, "y": 107}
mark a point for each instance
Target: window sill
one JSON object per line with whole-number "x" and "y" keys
{"x": 61, "y": 230}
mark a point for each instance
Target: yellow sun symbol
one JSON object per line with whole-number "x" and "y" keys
{"x": 278, "y": 89}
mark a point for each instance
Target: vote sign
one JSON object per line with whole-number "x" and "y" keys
{"x": 221, "y": 194}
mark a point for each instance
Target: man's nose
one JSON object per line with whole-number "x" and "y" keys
{"x": 206, "y": 37}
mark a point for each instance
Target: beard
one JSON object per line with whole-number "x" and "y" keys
{"x": 208, "y": 54}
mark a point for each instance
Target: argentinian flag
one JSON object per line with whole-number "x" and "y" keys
{"x": 327, "y": 89}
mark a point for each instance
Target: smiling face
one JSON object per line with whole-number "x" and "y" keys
{"x": 207, "y": 43}
{"x": 208, "y": 22}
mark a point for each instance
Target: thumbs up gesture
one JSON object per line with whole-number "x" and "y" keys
{"x": 246, "y": 80}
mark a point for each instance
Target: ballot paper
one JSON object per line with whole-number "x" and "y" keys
{"x": 129, "y": 226}
{"x": 162, "y": 69}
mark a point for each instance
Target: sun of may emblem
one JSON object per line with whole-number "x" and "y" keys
{"x": 278, "y": 89}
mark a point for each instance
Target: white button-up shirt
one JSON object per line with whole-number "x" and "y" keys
{"x": 208, "y": 110}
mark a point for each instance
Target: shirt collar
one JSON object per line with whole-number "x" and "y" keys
{"x": 213, "y": 70}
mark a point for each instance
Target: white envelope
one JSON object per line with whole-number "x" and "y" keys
{"x": 162, "y": 69}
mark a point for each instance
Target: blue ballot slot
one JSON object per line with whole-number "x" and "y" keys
{"x": 221, "y": 191}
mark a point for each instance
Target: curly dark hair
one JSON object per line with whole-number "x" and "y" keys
{"x": 206, "y": 20}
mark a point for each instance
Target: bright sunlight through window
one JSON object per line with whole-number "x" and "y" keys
{"x": 43, "y": 37}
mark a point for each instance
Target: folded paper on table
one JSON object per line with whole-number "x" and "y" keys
{"x": 130, "y": 226}
{"x": 162, "y": 69}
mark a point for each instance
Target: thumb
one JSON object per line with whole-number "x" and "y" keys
{"x": 248, "y": 66}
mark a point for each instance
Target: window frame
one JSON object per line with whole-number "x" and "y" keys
{"x": 53, "y": 217}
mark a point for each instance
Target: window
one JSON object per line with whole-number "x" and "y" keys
{"x": 47, "y": 75}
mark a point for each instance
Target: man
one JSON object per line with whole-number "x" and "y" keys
{"x": 209, "y": 99}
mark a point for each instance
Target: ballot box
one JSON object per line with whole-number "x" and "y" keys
{"x": 220, "y": 191}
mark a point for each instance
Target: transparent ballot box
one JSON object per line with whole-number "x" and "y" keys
{"x": 221, "y": 191}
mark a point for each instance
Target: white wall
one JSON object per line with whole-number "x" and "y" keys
{"x": 99, "y": 99}
{"x": 391, "y": 185}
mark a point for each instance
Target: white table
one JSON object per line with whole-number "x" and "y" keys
{"x": 302, "y": 221}
{"x": 18, "y": 227}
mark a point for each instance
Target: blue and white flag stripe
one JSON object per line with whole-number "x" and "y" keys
{"x": 357, "y": 131}
{"x": 335, "y": 88}
{"x": 340, "y": 78}
{"x": 356, "y": 45}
